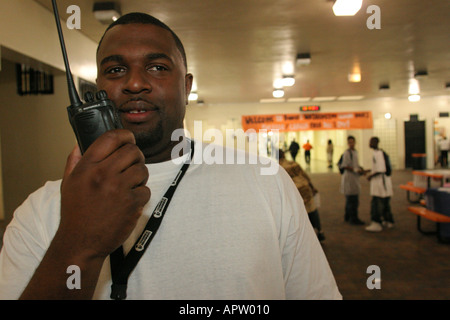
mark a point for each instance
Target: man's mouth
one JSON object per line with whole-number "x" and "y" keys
{"x": 137, "y": 111}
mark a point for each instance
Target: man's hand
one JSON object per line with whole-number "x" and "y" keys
{"x": 103, "y": 193}
{"x": 102, "y": 196}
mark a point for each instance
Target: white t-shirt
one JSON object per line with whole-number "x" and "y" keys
{"x": 229, "y": 233}
{"x": 381, "y": 184}
{"x": 444, "y": 144}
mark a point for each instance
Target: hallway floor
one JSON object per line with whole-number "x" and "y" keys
{"x": 413, "y": 266}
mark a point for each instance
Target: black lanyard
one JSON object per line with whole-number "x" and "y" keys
{"x": 121, "y": 266}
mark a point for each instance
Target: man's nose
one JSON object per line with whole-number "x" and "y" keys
{"x": 137, "y": 81}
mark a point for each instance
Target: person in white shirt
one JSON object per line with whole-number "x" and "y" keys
{"x": 380, "y": 190}
{"x": 228, "y": 231}
{"x": 444, "y": 147}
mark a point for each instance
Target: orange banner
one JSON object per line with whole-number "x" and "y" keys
{"x": 310, "y": 121}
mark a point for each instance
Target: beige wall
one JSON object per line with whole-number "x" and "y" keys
{"x": 36, "y": 137}
{"x": 34, "y": 130}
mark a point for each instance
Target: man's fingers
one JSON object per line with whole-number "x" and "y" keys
{"x": 107, "y": 143}
{"x": 72, "y": 160}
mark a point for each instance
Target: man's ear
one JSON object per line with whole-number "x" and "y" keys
{"x": 188, "y": 79}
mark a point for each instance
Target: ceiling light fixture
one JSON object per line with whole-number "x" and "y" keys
{"x": 414, "y": 98}
{"x": 303, "y": 59}
{"x": 106, "y": 12}
{"x": 413, "y": 87}
{"x": 354, "y": 77}
{"x": 271, "y": 100}
{"x": 193, "y": 96}
{"x": 421, "y": 74}
{"x": 288, "y": 81}
{"x": 346, "y": 7}
{"x": 278, "y": 93}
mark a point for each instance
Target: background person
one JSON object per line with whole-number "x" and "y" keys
{"x": 293, "y": 149}
{"x": 330, "y": 151}
{"x": 307, "y": 146}
{"x": 350, "y": 184}
{"x": 380, "y": 190}
{"x": 307, "y": 190}
{"x": 444, "y": 147}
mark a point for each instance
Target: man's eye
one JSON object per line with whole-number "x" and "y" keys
{"x": 156, "y": 68}
{"x": 115, "y": 70}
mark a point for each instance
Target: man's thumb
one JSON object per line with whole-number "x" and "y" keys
{"x": 72, "y": 161}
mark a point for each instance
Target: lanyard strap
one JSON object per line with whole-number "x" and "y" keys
{"x": 121, "y": 266}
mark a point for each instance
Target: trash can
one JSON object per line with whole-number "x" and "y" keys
{"x": 419, "y": 161}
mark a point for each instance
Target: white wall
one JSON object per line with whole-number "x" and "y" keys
{"x": 428, "y": 108}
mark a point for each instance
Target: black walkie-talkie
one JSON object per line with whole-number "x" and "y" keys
{"x": 91, "y": 119}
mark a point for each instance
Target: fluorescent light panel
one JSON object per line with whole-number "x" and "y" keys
{"x": 324, "y": 98}
{"x": 350, "y": 98}
{"x": 271, "y": 100}
{"x": 299, "y": 99}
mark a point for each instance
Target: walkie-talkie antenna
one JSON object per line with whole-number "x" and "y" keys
{"x": 73, "y": 94}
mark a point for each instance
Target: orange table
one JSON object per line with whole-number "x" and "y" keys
{"x": 431, "y": 178}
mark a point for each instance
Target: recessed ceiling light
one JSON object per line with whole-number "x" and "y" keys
{"x": 278, "y": 93}
{"x": 193, "y": 96}
{"x": 106, "y": 12}
{"x": 414, "y": 98}
{"x": 346, "y": 7}
{"x": 288, "y": 81}
{"x": 354, "y": 77}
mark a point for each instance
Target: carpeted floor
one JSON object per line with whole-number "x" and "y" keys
{"x": 412, "y": 266}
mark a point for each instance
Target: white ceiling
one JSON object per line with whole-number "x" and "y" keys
{"x": 237, "y": 48}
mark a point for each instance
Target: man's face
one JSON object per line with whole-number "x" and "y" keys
{"x": 351, "y": 143}
{"x": 143, "y": 72}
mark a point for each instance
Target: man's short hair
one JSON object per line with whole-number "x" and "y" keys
{"x": 143, "y": 18}
{"x": 351, "y": 137}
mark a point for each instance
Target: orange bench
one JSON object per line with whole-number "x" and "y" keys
{"x": 430, "y": 215}
{"x": 409, "y": 187}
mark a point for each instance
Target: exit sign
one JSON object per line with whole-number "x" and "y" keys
{"x": 309, "y": 108}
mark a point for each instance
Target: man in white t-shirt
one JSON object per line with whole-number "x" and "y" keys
{"x": 229, "y": 232}
{"x": 380, "y": 190}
